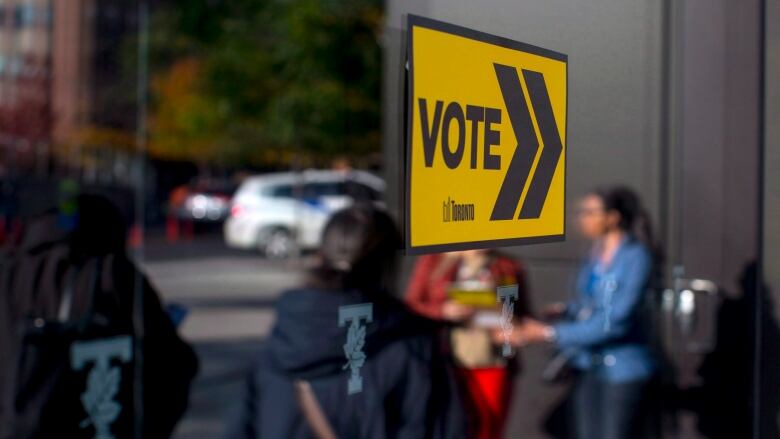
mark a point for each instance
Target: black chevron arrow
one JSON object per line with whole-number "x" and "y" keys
{"x": 520, "y": 166}
{"x": 551, "y": 152}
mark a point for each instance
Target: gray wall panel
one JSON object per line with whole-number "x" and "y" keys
{"x": 772, "y": 153}
{"x": 770, "y": 381}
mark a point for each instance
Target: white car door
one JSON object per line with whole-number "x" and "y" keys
{"x": 318, "y": 203}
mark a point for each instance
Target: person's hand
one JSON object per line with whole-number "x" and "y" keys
{"x": 456, "y": 312}
{"x": 533, "y": 331}
{"x": 554, "y": 311}
{"x": 514, "y": 338}
{"x": 497, "y": 335}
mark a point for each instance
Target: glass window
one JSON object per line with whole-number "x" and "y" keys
{"x": 135, "y": 120}
{"x": 317, "y": 190}
{"x": 24, "y": 15}
{"x": 361, "y": 192}
{"x": 281, "y": 191}
{"x": 15, "y": 66}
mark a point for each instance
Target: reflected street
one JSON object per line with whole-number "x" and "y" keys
{"x": 229, "y": 296}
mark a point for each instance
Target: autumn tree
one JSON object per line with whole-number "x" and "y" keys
{"x": 239, "y": 81}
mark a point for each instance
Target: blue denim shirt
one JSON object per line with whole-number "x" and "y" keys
{"x": 604, "y": 330}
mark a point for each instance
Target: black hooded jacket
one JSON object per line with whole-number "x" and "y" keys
{"x": 31, "y": 284}
{"x": 408, "y": 388}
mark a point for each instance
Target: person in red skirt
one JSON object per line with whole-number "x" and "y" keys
{"x": 459, "y": 288}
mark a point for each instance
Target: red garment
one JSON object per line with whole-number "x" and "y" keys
{"x": 427, "y": 289}
{"x": 488, "y": 390}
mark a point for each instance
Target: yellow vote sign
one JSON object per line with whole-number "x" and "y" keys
{"x": 486, "y": 140}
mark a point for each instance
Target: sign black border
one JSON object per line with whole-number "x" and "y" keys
{"x": 429, "y": 23}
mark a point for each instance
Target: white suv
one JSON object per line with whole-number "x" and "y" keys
{"x": 282, "y": 213}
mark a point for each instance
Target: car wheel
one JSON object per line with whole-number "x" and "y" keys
{"x": 279, "y": 244}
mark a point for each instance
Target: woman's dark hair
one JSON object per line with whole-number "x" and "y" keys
{"x": 634, "y": 219}
{"x": 358, "y": 251}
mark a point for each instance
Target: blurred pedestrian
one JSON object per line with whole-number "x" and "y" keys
{"x": 81, "y": 357}
{"x": 602, "y": 330}
{"x": 178, "y": 224}
{"x": 302, "y": 385}
{"x": 459, "y": 288}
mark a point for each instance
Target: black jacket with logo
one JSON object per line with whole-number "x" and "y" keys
{"x": 408, "y": 387}
{"x": 42, "y": 393}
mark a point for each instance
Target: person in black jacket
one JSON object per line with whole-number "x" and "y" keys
{"x": 70, "y": 287}
{"x": 303, "y": 383}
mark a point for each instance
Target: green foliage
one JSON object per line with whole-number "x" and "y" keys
{"x": 273, "y": 78}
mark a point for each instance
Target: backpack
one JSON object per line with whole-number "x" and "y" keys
{"x": 82, "y": 357}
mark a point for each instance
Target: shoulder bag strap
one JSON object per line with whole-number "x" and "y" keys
{"x": 312, "y": 411}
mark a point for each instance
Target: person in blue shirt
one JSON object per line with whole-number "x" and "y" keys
{"x": 602, "y": 329}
